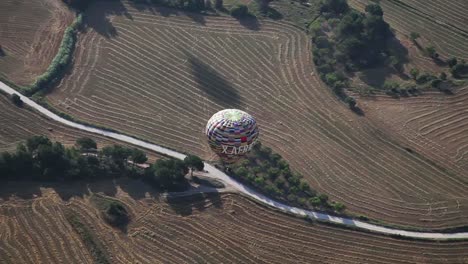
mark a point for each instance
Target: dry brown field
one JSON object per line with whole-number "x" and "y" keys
{"x": 160, "y": 74}
{"x": 30, "y": 35}
{"x": 440, "y": 23}
{"x": 224, "y": 228}
{"x": 432, "y": 124}
{"x": 18, "y": 124}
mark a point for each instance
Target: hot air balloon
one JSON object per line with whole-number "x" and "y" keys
{"x": 231, "y": 134}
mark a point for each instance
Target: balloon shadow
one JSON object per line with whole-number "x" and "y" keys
{"x": 213, "y": 84}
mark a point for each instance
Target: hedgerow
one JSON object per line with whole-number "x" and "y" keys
{"x": 59, "y": 64}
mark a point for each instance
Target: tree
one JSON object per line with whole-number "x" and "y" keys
{"x": 116, "y": 214}
{"x": 138, "y": 156}
{"x": 194, "y": 163}
{"x": 443, "y": 76}
{"x": 351, "y": 102}
{"x": 374, "y": 10}
{"x": 16, "y": 100}
{"x": 239, "y": 11}
{"x": 334, "y": 6}
{"x": 315, "y": 201}
{"x": 304, "y": 186}
{"x": 33, "y": 143}
{"x": 117, "y": 154}
{"x": 241, "y": 171}
{"x": 323, "y": 198}
{"x": 168, "y": 174}
{"x": 452, "y": 62}
{"x": 431, "y": 52}
{"x": 86, "y": 144}
{"x": 273, "y": 173}
{"x": 338, "y": 207}
{"x": 414, "y": 73}
{"x": 52, "y": 161}
{"x": 414, "y": 36}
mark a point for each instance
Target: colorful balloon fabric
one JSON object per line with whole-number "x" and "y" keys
{"x": 231, "y": 134}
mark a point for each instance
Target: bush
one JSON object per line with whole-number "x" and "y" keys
{"x": 194, "y": 163}
{"x": 431, "y": 52}
{"x": 116, "y": 214}
{"x": 351, "y": 102}
{"x": 86, "y": 144}
{"x": 391, "y": 86}
{"x": 424, "y": 78}
{"x": 338, "y": 207}
{"x": 334, "y": 6}
{"x": 239, "y": 11}
{"x": 414, "y": 36}
{"x": 452, "y": 62}
{"x": 16, "y": 100}
{"x": 414, "y": 73}
{"x": 315, "y": 201}
{"x": 443, "y": 76}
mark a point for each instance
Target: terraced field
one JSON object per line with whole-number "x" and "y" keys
{"x": 442, "y": 23}
{"x": 159, "y": 74}
{"x": 30, "y": 35}
{"x": 215, "y": 229}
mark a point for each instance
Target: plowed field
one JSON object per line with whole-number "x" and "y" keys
{"x": 18, "y": 124}
{"x": 159, "y": 74}
{"x": 30, "y": 35}
{"x": 215, "y": 229}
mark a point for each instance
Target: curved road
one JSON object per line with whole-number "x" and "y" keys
{"x": 215, "y": 173}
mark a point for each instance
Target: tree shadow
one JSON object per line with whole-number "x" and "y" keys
{"x": 375, "y": 77}
{"x": 440, "y": 62}
{"x": 249, "y": 22}
{"x": 184, "y": 205}
{"x": 137, "y": 189}
{"x": 213, "y": 83}
{"x": 23, "y": 190}
{"x": 357, "y": 110}
{"x": 198, "y": 18}
{"x": 97, "y": 17}
{"x": 2, "y": 52}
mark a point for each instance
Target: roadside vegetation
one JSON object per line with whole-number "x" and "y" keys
{"x": 268, "y": 173}
{"x": 39, "y": 159}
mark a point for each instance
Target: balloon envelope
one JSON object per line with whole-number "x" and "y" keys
{"x": 231, "y": 134}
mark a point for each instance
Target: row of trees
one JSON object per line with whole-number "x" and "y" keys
{"x": 269, "y": 173}
{"x": 43, "y": 160}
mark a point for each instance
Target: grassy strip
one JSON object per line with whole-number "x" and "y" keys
{"x": 90, "y": 241}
